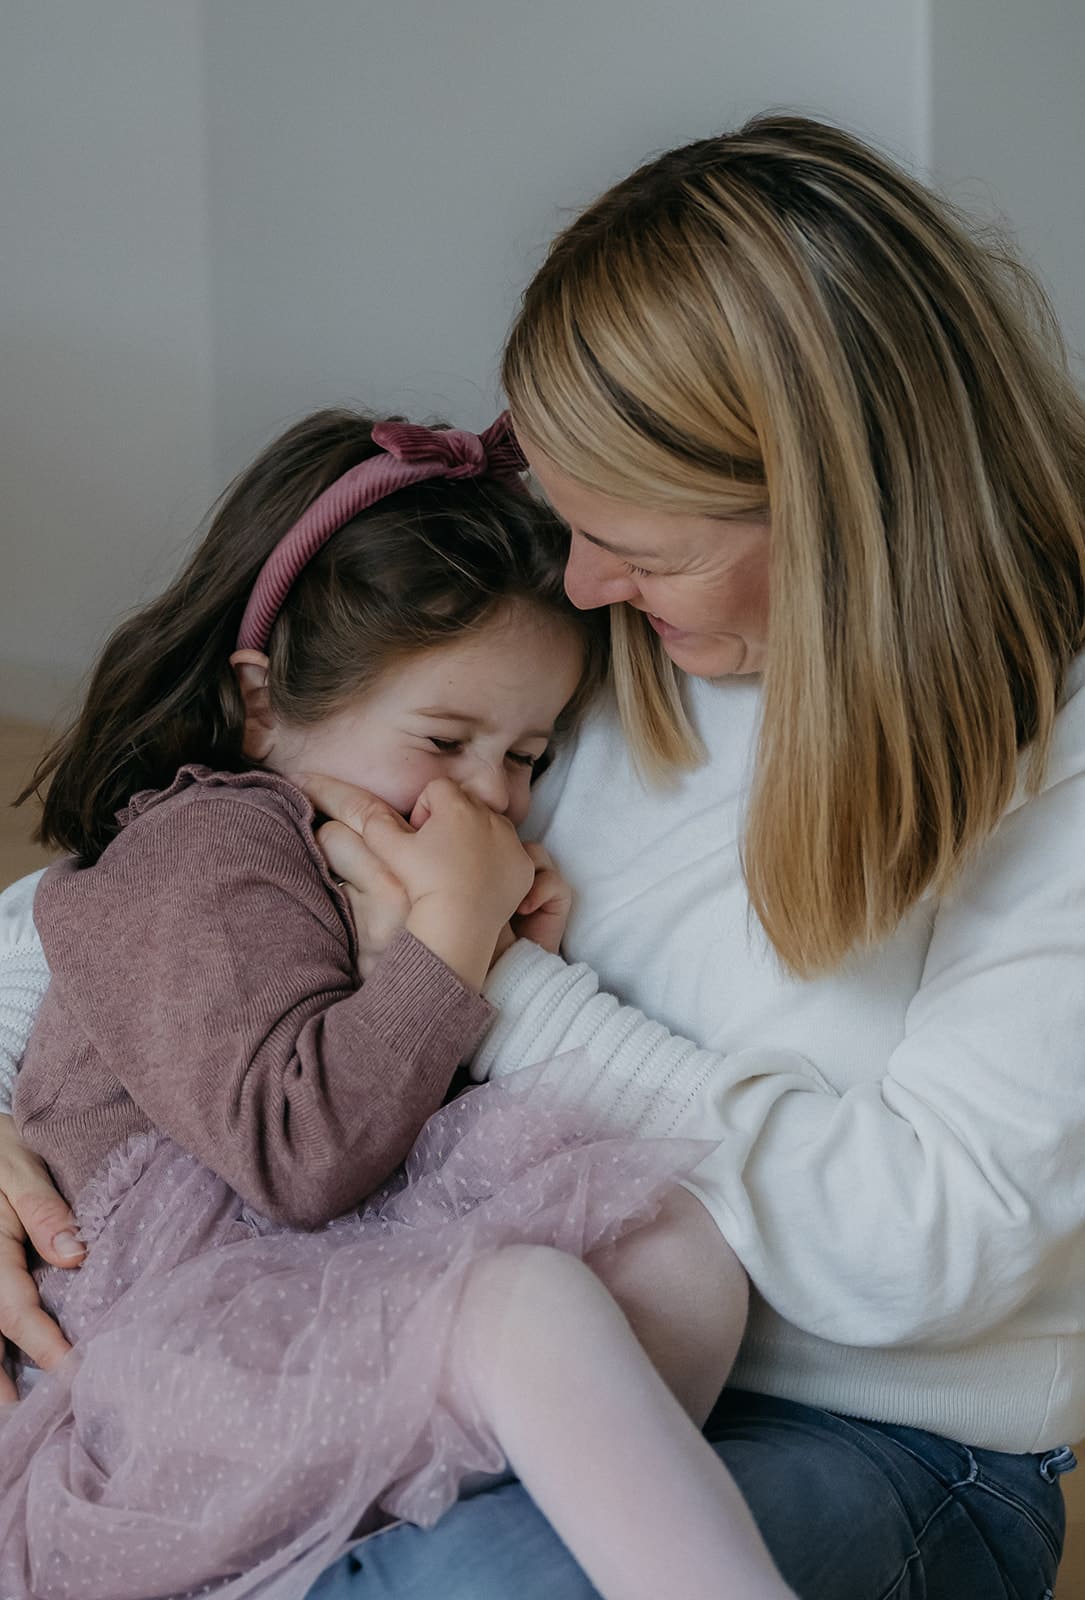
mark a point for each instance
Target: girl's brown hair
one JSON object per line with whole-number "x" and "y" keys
{"x": 418, "y": 568}
{"x": 781, "y": 322}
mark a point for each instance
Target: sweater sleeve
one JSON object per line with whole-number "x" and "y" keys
{"x": 926, "y": 1205}
{"x": 221, "y": 992}
{"x": 24, "y": 978}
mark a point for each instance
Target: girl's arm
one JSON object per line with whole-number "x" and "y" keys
{"x": 925, "y": 1205}
{"x": 213, "y": 974}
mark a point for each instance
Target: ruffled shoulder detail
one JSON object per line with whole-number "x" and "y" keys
{"x": 196, "y": 776}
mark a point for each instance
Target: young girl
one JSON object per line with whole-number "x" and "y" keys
{"x": 209, "y": 1077}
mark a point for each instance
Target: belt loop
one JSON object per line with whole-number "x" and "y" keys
{"x": 1056, "y": 1462}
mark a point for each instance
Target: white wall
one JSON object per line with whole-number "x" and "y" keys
{"x": 105, "y": 355}
{"x": 219, "y": 213}
{"x": 386, "y": 176}
{"x": 1008, "y": 131}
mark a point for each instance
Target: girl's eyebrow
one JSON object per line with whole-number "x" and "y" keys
{"x": 447, "y": 714}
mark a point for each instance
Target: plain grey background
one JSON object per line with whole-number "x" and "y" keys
{"x": 217, "y": 214}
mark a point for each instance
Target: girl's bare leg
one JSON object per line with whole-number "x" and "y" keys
{"x": 685, "y": 1294}
{"x": 598, "y": 1439}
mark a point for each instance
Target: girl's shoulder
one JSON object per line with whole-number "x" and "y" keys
{"x": 203, "y": 840}
{"x": 198, "y": 785}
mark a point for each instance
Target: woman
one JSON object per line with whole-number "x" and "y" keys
{"x": 831, "y": 479}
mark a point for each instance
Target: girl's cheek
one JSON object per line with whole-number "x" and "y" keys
{"x": 413, "y": 773}
{"x": 520, "y": 802}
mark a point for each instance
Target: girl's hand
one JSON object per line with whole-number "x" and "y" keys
{"x": 544, "y": 911}
{"x": 465, "y": 871}
{"x": 377, "y": 899}
{"x": 461, "y": 865}
{"x": 461, "y": 853}
{"x": 30, "y": 1207}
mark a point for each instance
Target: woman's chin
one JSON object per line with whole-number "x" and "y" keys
{"x": 703, "y": 656}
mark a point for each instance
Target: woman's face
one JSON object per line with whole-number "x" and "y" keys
{"x": 703, "y": 582}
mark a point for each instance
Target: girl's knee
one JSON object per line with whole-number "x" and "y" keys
{"x": 534, "y": 1277}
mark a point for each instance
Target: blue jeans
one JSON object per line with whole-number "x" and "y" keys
{"x": 850, "y": 1510}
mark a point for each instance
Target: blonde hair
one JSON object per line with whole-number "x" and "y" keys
{"x": 781, "y": 318}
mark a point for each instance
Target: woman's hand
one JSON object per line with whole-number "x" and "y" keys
{"x": 30, "y": 1207}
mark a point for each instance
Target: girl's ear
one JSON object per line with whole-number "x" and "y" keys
{"x": 250, "y": 668}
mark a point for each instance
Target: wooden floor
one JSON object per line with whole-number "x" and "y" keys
{"x": 20, "y": 746}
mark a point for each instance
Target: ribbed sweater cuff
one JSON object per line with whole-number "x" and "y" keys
{"x": 637, "y": 1075}
{"x": 412, "y": 996}
{"x": 536, "y": 996}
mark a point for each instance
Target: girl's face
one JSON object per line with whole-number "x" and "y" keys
{"x": 479, "y": 710}
{"x": 702, "y": 581}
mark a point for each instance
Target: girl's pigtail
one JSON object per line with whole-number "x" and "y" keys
{"x": 163, "y": 692}
{"x": 157, "y": 695}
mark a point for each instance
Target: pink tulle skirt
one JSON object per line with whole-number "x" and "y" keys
{"x": 241, "y": 1398}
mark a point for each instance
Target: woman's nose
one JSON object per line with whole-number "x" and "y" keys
{"x": 594, "y": 578}
{"x": 487, "y": 784}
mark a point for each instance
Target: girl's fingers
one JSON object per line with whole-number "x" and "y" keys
{"x": 422, "y": 811}
{"x": 440, "y": 794}
{"x": 351, "y": 861}
{"x": 548, "y": 886}
{"x": 344, "y": 802}
{"x": 378, "y": 901}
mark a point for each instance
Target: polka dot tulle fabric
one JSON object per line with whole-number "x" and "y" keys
{"x": 243, "y": 1399}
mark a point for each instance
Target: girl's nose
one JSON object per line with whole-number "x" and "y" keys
{"x": 488, "y": 784}
{"x": 594, "y": 578}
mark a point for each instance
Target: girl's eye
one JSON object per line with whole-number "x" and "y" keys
{"x": 523, "y": 760}
{"x": 447, "y": 747}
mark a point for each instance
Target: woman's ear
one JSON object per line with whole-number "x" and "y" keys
{"x": 250, "y": 668}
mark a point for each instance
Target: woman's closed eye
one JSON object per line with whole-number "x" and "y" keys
{"x": 637, "y": 572}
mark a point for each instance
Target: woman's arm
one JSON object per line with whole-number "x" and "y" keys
{"x": 24, "y": 978}
{"x": 29, "y": 1204}
{"x": 929, "y": 1204}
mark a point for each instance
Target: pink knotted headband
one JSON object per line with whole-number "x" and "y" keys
{"x": 409, "y": 454}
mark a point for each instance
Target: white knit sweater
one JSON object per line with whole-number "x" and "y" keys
{"x": 24, "y": 978}
{"x": 901, "y": 1163}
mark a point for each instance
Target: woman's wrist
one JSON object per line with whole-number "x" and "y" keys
{"x": 526, "y": 987}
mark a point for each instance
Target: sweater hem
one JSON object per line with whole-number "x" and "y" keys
{"x": 990, "y": 1397}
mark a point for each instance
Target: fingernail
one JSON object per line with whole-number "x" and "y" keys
{"x": 67, "y": 1246}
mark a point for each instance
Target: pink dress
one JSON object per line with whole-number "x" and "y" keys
{"x": 242, "y": 1398}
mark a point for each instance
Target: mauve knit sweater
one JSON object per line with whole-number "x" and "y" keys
{"x": 204, "y": 983}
